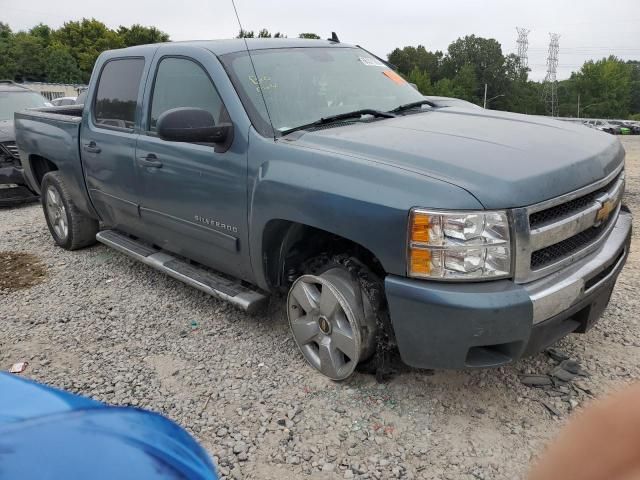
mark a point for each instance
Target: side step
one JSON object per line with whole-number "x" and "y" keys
{"x": 203, "y": 279}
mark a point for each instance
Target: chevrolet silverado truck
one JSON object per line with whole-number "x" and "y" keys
{"x": 460, "y": 236}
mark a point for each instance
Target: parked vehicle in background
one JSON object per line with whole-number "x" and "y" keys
{"x": 81, "y": 97}
{"x": 14, "y": 98}
{"x": 603, "y": 126}
{"x": 463, "y": 236}
{"x": 626, "y": 127}
{"x": 57, "y": 102}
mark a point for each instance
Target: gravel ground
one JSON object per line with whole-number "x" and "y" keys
{"x": 105, "y": 326}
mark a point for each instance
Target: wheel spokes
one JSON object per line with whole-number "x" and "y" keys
{"x": 307, "y": 295}
{"x": 305, "y": 329}
{"x": 343, "y": 340}
{"x": 330, "y": 359}
{"x": 51, "y": 198}
{"x": 328, "y": 303}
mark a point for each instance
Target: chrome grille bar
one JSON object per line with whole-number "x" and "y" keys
{"x": 529, "y": 240}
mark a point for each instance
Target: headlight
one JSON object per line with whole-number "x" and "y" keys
{"x": 459, "y": 245}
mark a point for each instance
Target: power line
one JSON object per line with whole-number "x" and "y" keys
{"x": 550, "y": 90}
{"x": 523, "y": 45}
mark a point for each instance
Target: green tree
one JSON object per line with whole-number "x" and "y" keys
{"x": 604, "y": 87}
{"x": 408, "y": 58}
{"x": 60, "y": 66}
{"x": 140, "y": 35}
{"x": 312, "y": 36}
{"x": 86, "y": 39}
{"x": 27, "y": 52}
{"x": 485, "y": 55}
{"x": 7, "y": 63}
{"x": 465, "y": 84}
{"x": 444, "y": 88}
{"x": 634, "y": 100}
{"x": 421, "y": 80}
{"x": 245, "y": 34}
{"x": 42, "y": 32}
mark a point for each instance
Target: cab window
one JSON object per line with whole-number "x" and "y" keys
{"x": 117, "y": 93}
{"x": 181, "y": 82}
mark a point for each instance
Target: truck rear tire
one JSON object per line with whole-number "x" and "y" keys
{"x": 332, "y": 317}
{"x": 70, "y": 228}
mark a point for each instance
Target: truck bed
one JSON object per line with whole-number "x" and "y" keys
{"x": 53, "y": 134}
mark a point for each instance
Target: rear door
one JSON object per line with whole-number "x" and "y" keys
{"x": 193, "y": 196}
{"x": 108, "y": 139}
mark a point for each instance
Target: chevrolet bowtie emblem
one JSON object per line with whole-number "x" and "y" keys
{"x": 605, "y": 210}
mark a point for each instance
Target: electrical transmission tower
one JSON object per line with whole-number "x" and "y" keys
{"x": 523, "y": 45}
{"x": 550, "y": 81}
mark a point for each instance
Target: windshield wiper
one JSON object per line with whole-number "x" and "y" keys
{"x": 409, "y": 106}
{"x": 341, "y": 116}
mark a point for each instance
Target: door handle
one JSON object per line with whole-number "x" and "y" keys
{"x": 150, "y": 160}
{"x": 92, "y": 147}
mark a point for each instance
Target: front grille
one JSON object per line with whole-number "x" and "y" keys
{"x": 558, "y": 251}
{"x": 566, "y": 209}
{"x": 12, "y": 149}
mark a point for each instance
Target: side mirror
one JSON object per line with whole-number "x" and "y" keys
{"x": 194, "y": 125}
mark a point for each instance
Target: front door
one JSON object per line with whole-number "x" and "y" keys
{"x": 193, "y": 196}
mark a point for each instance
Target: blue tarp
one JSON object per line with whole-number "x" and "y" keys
{"x": 46, "y": 433}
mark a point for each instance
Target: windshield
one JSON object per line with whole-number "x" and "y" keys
{"x": 11, "y": 102}
{"x": 302, "y": 85}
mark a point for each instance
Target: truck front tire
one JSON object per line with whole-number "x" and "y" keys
{"x": 68, "y": 226}
{"x": 332, "y": 317}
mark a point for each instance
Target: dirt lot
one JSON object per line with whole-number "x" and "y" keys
{"x": 99, "y": 324}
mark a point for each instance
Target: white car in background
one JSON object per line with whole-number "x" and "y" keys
{"x": 57, "y": 102}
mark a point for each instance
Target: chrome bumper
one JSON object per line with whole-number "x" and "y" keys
{"x": 558, "y": 291}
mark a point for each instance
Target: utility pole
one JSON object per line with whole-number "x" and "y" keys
{"x": 523, "y": 45}
{"x": 485, "y": 95}
{"x": 550, "y": 81}
{"x": 578, "y": 105}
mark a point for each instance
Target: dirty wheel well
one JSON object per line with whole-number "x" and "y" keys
{"x": 40, "y": 166}
{"x": 289, "y": 246}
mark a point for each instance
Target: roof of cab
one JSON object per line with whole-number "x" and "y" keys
{"x": 222, "y": 47}
{"x": 11, "y": 86}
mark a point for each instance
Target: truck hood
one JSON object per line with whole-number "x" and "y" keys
{"x": 7, "y": 132}
{"x": 504, "y": 159}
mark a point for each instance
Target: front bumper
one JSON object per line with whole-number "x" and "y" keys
{"x": 486, "y": 324}
{"x": 13, "y": 188}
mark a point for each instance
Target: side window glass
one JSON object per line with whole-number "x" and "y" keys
{"x": 117, "y": 93}
{"x": 183, "y": 83}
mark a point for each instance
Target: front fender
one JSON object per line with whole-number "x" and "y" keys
{"x": 360, "y": 200}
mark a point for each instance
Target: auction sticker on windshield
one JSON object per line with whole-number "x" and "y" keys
{"x": 370, "y": 62}
{"x": 395, "y": 77}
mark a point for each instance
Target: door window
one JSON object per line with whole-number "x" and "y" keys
{"x": 183, "y": 83}
{"x": 117, "y": 93}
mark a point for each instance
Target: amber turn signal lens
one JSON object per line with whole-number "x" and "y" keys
{"x": 420, "y": 224}
{"x": 420, "y": 262}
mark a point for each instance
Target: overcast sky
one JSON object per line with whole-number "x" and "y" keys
{"x": 588, "y": 28}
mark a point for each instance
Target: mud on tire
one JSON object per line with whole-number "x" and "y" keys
{"x": 70, "y": 228}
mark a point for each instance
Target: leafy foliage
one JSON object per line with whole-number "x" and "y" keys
{"x": 65, "y": 55}
{"x": 608, "y": 88}
{"x": 264, "y": 33}
{"x": 312, "y": 36}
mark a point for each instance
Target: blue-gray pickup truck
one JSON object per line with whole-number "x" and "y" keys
{"x": 460, "y": 236}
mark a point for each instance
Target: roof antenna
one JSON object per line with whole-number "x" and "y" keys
{"x": 334, "y": 38}
{"x": 259, "y": 87}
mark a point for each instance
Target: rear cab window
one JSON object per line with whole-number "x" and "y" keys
{"x": 117, "y": 94}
